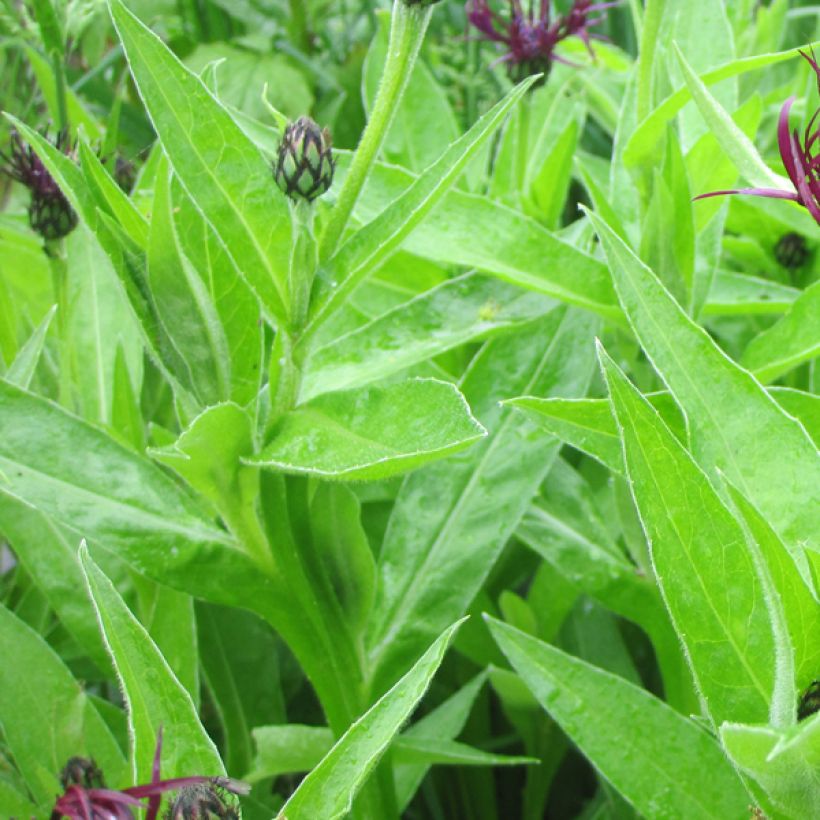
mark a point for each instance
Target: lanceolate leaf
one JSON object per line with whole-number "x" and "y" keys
{"x": 219, "y": 166}
{"x": 734, "y": 425}
{"x": 654, "y": 756}
{"x": 704, "y": 570}
{"x": 460, "y": 310}
{"x": 473, "y": 231}
{"x": 587, "y": 424}
{"x": 46, "y": 716}
{"x": 372, "y": 432}
{"x": 329, "y": 789}
{"x": 451, "y": 521}
{"x": 793, "y": 340}
{"x": 154, "y": 696}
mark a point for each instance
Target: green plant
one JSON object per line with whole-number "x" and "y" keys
{"x": 310, "y": 460}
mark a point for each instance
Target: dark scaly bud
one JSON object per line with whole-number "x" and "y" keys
{"x": 810, "y": 702}
{"x": 421, "y": 3}
{"x": 49, "y": 212}
{"x": 791, "y": 251}
{"x": 305, "y": 165}
{"x": 205, "y": 801}
{"x": 82, "y": 771}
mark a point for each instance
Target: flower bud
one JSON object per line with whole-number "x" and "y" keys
{"x": 202, "y": 801}
{"x": 49, "y": 212}
{"x": 305, "y": 165}
{"x": 81, "y": 771}
{"x": 810, "y": 702}
{"x": 791, "y": 251}
{"x": 420, "y": 2}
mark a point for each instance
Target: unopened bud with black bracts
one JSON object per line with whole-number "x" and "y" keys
{"x": 420, "y": 2}
{"x": 305, "y": 165}
{"x": 205, "y": 801}
{"x": 791, "y": 251}
{"x": 49, "y": 212}
{"x": 82, "y": 771}
{"x": 809, "y": 702}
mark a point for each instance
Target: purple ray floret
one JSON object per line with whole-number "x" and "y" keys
{"x": 531, "y": 38}
{"x": 800, "y": 157}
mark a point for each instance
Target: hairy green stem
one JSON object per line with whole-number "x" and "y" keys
{"x": 407, "y": 29}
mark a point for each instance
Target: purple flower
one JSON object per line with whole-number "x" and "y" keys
{"x": 800, "y": 156}
{"x": 49, "y": 212}
{"x": 531, "y": 39}
{"x": 84, "y": 801}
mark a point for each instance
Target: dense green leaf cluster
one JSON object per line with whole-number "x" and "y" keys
{"x": 471, "y": 443}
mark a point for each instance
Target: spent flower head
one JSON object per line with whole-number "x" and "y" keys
{"x": 531, "y": 36}
{"x": 305, "y": 164}
{"x": 800, "y": 156}
{"x": 49, "y": 212}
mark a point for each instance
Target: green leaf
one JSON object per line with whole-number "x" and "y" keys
{"x": 48, "y": 552}
{"x": 99, "y": 321}
{"x": 329, "y": 789}
{"x": 21, "y": 370}
{"x": 564, "y": 527}
{"x": 120, "y": 501}
{"x": 46, "y": 716}
{"x": 784, "y": 762}
{"x": 451, "y": 521}
{"x": 437, "y": 751}
{"x": 457, "y": 311}
{"x": 791, "y": 341}
{"x": 473, "y": 232}
{"x": 803, "y": 406}
{"x": 154, "y": 696}
{"x": 706, "y": 575}
{"x": 222, "y": 170}
{"x": 735, "y": 293}
{"x": 183, "y": 304}
{"x": 240, "y": 666}
{"x": 109, "y": 193}
{"x": 444, "y": 722}
{"x": 735, "y": 143}
{"x": 362, "y": 434}
{"x": 371, "y": 245}
{"x": 288, "y": 749}
{"x": 237, "y": 308}
{"x": 799, "y": 602}
{"x": 668, "y": 235}
{"x": 51, "y": 31}
{"x": 168, "y": 617}
{"x": 650, "y": 753}
{"x": 550, "y": 186}
{"x": 587, "y": 424}
{"x": 643, "y": 141}
{"x": 734, "y": 425}
{"x": 341, "y": 545}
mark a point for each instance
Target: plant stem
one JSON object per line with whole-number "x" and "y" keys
{"x": 59, "y": 283}
{"x": 407, "y": 29}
